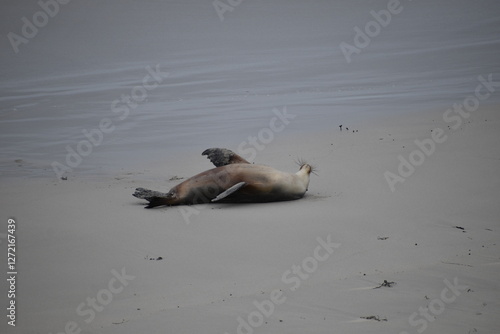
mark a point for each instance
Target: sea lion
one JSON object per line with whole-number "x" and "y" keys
{"x": 234, "y": 180}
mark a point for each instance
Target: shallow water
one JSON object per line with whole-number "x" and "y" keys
{"x": 226, "y": 79}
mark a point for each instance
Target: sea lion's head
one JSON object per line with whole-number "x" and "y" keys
{"x": 304, "y": 166}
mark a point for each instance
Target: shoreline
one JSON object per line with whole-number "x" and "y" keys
{"x": 252, "y": 150}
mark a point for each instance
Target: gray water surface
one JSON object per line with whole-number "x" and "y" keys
{"x": 218, "y": 81}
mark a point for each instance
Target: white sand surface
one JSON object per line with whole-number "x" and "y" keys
{"x": 440, "y": 225}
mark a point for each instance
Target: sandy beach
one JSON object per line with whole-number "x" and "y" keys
{"x": 206, "y": 268}
{"x": 398, "y": 233}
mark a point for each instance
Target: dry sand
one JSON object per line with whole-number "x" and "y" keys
{"x": 92, "y": 260}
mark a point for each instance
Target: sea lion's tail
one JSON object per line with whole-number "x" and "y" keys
{"x": 155, "y": 198}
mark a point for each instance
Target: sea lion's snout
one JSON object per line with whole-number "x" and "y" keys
{"x": 308, "y": 168}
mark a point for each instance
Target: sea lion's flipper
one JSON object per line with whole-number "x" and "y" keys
{"x": 223, "y": 156}
{"x": 147, "y": 194}
{"x": 229, "y": 191}
{"x": 156, "y": 201}
{"x": 155, "y": 198}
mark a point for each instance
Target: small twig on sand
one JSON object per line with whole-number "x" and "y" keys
{"x": 386, "y": 284}
{"x": 374, "y": 317}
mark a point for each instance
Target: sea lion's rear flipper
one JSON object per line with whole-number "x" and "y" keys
{"x": 155, "y": 198}
{"x": 229, "y": 191}
{"x": 223, "y": 156}
{"x": 147, "y": 194}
